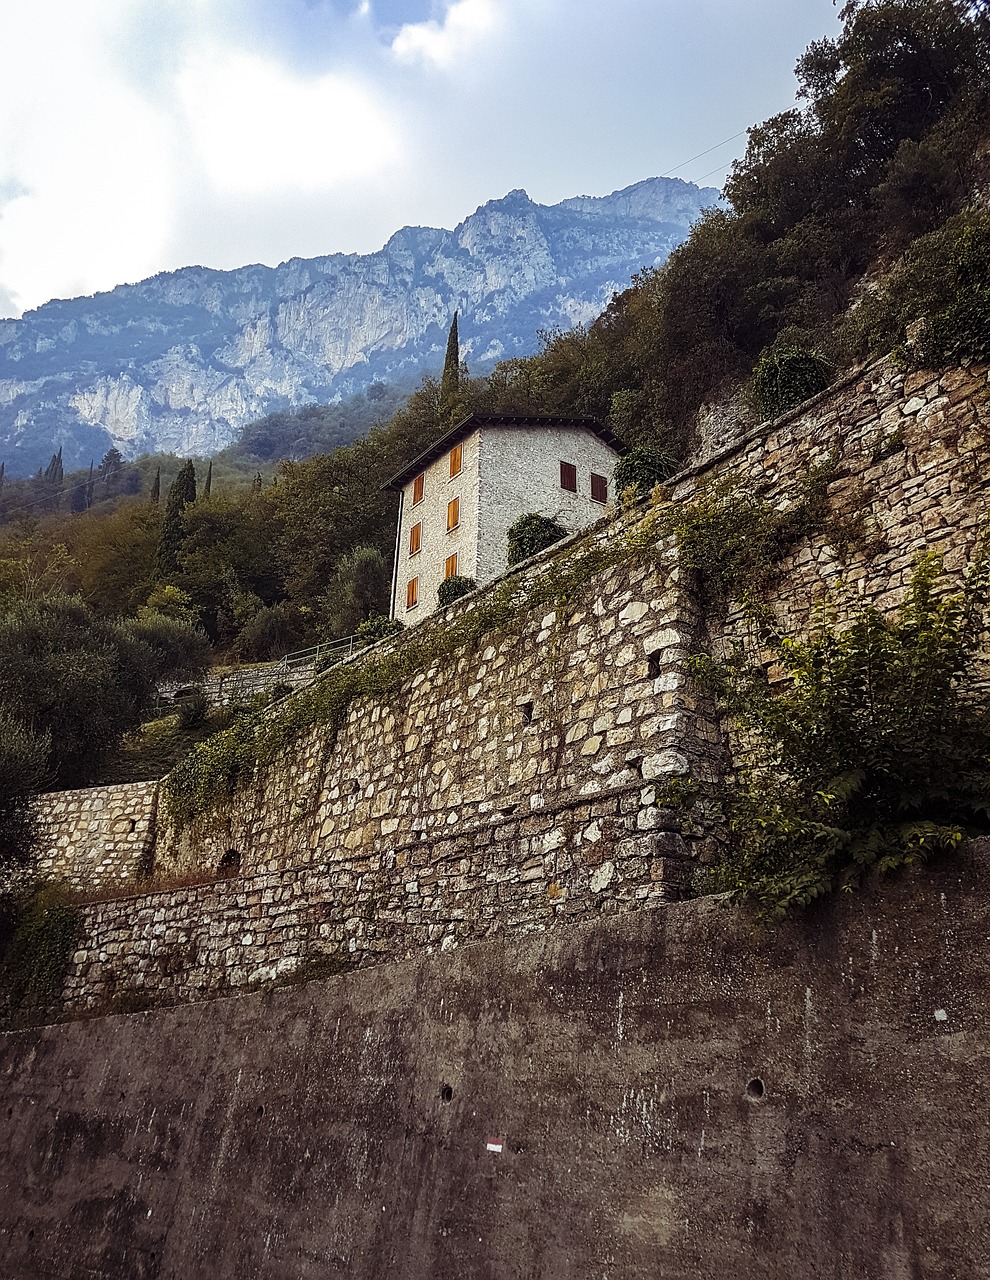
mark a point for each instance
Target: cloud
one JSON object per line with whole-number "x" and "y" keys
{"x": 467, "y": 25}
{"x": 136, "y": 138}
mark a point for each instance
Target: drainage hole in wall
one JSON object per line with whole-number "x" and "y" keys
{"x": 31, "y": 1234}
{"x": 654, "y": 662}
{"x": 134, "y": 824}
{"x": 261, "y": 1111}
{"x": 755, "y": 1088}
{"x": 527, "y": 712}
{"x": 446, "y": 1093}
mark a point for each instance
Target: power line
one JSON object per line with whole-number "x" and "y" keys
{"x": 684, "y": 163}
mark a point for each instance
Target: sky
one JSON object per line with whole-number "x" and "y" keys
{"x": 138, "y": 136}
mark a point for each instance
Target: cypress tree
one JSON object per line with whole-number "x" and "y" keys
{"x": 208, "y": 487}
{"x": 89, "y": 486}
{"x": 450, "y": 381}
{"x": 156, "y": 488}
{"x": 182, "y": 492}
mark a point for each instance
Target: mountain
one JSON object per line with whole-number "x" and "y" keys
{"x": 181, "y": 361}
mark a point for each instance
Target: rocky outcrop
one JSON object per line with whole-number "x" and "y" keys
{"x": 181, "y": 361}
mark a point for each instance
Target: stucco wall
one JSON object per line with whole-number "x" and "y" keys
{"x": 345, "y": 1128}
{"x": 428, "y": 564}
{"x": 520, "y": 475}
{"x": 97, "y": 836}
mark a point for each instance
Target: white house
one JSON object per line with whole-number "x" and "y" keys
{"x": 459, "y": 498}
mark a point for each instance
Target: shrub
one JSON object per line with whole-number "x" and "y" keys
{"x": 42, "y": 928}
{"x": 192, "y": 710}
{"x": 531, "y": 534}
{"x": 873, "y": 754}
{"x": 786, "y": 376}
{"x": 271, "y": 633}
{"x": 377, "y": 628}
{"x": 641, "y": 469}
{"x": 452, "y": 589}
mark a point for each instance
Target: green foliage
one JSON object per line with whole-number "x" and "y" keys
{"x": 943, "y": 281}
{"x": 786, "y": 376}
{"x": 270, "y": 633}
{"x": 450, "y": 381}
{"x": 23, "y": 771}
{"x": 181, "y": 651}
{"x": 532, "y": 534}
{"x": 181, "y": 493}
{"x": 377, "y": 628}
{"x": 42, "y": 930}
{"x": 359, "y": 589}
{"x": 733, "y": 540}
{"x": 81, "y": 680}
{"x": 192, "y": 709}
{"x": 873, "y": 752}
{"x": 453, "y": 588}
{"x": 641, "y": 469}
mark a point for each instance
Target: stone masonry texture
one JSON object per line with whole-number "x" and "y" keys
{"x": 97, "y": 836}
{"x": 514, "y": 788}
{"x": 666, "y": 1094}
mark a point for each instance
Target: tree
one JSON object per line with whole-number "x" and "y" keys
{"x": 156, "y": 488}
{"x": 208, "y": 487}
{"x": 450, "y": 381}
{"x": 79, "y": 680}
{"x": 181, "y": 493}
{"x": 358, "y": 590}
{"x": 23, "y": 771}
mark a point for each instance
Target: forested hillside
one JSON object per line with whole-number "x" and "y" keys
{"x": 851, "y": 219}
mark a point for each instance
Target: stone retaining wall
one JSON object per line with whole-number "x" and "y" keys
{"x": 576, "y": 861}
{"x": 97, "y": 836}
{"x": 583, "y": 702}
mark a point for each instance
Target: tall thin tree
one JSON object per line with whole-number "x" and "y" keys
{"x": 208, "y": 487}
{"x": 182, "y": 492}
{"x": 450, "y": 381}
{"x": 156, "y": 488}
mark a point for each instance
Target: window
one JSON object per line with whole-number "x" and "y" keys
{"x": 568, "y": 477}
{"x": 599, "y": 488}
{"x": 453, "y": 513}
{"x": 412, "y": 593}
{"x": 455, "y": 460}
{"x": 418, "y": 485}
{"x": 415, "y": 538}
{"x": 450, "y": 566}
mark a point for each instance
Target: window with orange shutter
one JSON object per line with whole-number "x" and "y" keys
{"x": 412, "y": 593}
{"x": 455, "y": 460}
{"x": 418, "y": 486}
{"x": 415, "y": 538}
{"x": 450, "y": 566}
{"x": 453, "y": 513}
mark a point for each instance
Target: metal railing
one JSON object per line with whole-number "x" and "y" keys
{"x": 231, "y": 684}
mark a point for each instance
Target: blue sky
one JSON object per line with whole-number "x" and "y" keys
{"x": 143, "y": 135}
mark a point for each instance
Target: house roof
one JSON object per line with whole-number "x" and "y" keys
{"x": 475, "y": 421}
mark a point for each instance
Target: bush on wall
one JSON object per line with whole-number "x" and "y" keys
{"x": 532, "y": 534}
{"x": 641, "y": 469}
{"x": 785, "y": 376}
{"x": 452, "y": 589}
{"x": 874, "y": 752}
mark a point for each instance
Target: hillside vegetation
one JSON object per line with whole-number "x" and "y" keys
{"x": 850, "y": 219}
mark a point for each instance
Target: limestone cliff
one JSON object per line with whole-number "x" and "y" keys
{"x": 180, "y": 361}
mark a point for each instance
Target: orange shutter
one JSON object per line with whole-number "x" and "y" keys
{"x": 453, "y": 513}
{"x": 450, "y": 566}
{"x": 412, "y": 593}
{"x": 415, "y": 538}
{"x": 418, "y": 484}
{"x": 455, "y": 460}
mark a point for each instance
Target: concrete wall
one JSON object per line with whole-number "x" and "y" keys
{"x": 345, "y": 1128}
{"x": 97, "y": 836}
